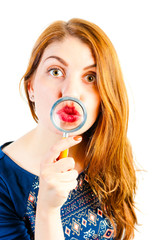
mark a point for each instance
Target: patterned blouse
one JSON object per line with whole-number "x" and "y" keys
{"x": 81, "y": 215}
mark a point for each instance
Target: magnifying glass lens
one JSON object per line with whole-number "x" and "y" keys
{"x": 67, "y": 115}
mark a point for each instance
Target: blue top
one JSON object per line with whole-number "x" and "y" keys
{"x": 81, "y": 214}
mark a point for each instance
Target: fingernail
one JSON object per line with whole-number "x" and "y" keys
{"x": 77, "y": 138}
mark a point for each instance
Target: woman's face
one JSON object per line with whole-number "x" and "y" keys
{"x": 67, "y": 68}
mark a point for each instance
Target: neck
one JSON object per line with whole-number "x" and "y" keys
{"x": 39, "y": 141}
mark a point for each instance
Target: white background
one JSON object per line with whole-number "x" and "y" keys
{"x": 134, "y": 29}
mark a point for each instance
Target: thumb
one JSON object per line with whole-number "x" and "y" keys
{"x": 60, "y": 146}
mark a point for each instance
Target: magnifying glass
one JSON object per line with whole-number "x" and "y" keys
{"x": 68, "y": 115}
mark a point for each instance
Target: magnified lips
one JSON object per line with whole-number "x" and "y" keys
{"x": 69, "y": 114}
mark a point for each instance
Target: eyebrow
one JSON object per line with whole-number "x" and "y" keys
{"x": 59, "y": 59}
{"x": 65, "y": 64}
{"x": 90, "y": 66}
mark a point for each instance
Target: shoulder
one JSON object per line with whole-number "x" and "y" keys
{"x": 9, "y": 165}
{"x": 10, "y": 169}
{"x": 15, "y": 182}
{"x": 22, "y": 155}
{"x": 13, "y": 201}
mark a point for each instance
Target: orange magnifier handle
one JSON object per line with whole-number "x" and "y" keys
{"x": 63, "y": 154}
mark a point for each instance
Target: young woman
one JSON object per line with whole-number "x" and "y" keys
{"x": 90, "y": 193}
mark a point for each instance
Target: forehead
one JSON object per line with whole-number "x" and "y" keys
{"x": 71, "y": 49}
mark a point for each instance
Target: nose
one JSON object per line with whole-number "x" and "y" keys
{"x": 71, "y": 88}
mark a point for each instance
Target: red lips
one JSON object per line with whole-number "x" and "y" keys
{"x": 69, "y": 114}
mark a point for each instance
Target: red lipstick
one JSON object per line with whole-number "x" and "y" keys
{"x": 69, "y": 114}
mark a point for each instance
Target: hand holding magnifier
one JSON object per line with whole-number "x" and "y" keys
{"x": 68, "y": 115}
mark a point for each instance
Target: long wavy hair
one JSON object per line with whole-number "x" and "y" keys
{"x": 108, "y": 155}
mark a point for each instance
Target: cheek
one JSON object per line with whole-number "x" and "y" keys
{"x": 44, "y": 99}
{"x": 94, "y": 102}
{"x": 93, "y": 107}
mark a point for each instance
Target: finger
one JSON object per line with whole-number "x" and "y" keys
{"x": 68, "y": 176}
{"x": 65, "y": 188}
{"x": 60, "y": 146}
{"x": 64, "y": 165}
{"x": 61, "y": 166}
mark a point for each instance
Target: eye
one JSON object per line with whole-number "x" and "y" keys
{"x": 90, "y": 77}
{"x": 56, "y": 72}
